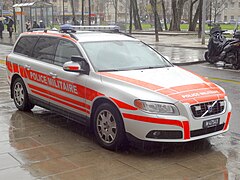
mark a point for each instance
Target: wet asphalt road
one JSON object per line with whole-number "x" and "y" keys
{"x": 43, "y": 145}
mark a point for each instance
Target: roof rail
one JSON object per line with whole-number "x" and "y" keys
{"x": 111, "y": 28}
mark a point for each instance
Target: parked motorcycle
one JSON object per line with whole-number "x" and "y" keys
{"x": 221, "y": 49}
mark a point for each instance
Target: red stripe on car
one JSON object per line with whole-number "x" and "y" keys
{"x": 59, "y": 101}
{"x": 153, "y": 120}
{"x": 60, "y": 96}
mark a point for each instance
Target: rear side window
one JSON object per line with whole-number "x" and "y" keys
{"x": 25, "y": 45}
{"x": 45, "y": 49}
{"x": 65, "y": 50}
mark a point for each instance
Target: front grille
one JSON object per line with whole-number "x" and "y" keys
{"x": 200, "y": 132}
{"x": 208, "y": 108}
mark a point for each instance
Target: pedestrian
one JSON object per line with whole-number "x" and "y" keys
{"x": 1, "y": 29}
{"x": 10, "y": 26}
{"x": 41, "y": 24}
{"x": 28, "y": 25}
{"x": 35, "y": 24}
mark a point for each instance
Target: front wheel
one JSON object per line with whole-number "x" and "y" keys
{"x": 20, "y": 96}
{"x": 108, "y": 127}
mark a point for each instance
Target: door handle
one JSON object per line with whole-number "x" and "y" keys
{"x": 27, "y": 67}
{"x": 53, "y": 75}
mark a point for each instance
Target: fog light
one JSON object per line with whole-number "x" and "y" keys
{"x": 160, "y": 134}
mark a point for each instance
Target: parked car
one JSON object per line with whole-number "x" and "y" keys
{"x": 117, "y": 85}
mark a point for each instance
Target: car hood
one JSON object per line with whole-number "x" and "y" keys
{"x": 174, "y": 82}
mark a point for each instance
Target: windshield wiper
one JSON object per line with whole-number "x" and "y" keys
{"x": 152, "y": 67}
{"x": 106, "y": 70}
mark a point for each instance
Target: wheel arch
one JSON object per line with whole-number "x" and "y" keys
{"x": 99, "y": 101}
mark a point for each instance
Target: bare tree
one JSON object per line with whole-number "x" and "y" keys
{"x": 136, "y": 17}
{"x": 177, "y": 11}
{"x": 191, "y": 4}
{"x": 73, "y": 13}
{"x": 83, "y": 12}
{"x": 130, "y": 18}
{"x": 156, "y": 16}
{"x": 164, "y": 15}
{"x": 218, "y": 6}
{"x": 154, "y": 4}
{"x": 115, "y": 5}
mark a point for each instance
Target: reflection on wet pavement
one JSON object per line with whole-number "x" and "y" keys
{"x": 42, "y": 144}
{"x": 181, "y": 55}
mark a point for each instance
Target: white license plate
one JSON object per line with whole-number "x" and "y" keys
{"x": 211, "y": 123}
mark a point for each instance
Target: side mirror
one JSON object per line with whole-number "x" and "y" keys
{"x": 77, "y": 64}
{"x": 72, "y": 66}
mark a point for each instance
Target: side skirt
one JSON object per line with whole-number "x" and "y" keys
{"x": 60, "y": 110}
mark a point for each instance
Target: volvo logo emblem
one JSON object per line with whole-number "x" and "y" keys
{"x": 210, "y": 108}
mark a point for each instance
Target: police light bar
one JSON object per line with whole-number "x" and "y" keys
{"x": 67, "y": 28}
{"x": 111, "y": 28}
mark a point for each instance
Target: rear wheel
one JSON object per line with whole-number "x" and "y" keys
{"x": 20, "y": 95}
{"x": 108, "y": 127}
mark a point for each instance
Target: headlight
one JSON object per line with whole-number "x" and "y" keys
{"x": 156, "y": 107}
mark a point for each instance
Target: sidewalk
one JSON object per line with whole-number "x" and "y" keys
{"x": 172, "y": 39}
{"x": 8, "y": 41}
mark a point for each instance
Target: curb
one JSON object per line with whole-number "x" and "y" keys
{"x": 165, "y": 34}
{"x": 7, "y": 44}
{"x": 177, "y": 46}
{"x": 188, "y": 63}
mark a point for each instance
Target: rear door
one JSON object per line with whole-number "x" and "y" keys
{"x": 39, "y": 66}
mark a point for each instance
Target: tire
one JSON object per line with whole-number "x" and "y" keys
{"x": 20, "y": 96}
{"x": 108, "y": 127}
{"x": 207, "y": 58}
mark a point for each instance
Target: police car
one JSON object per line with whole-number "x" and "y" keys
{"x": 116, "y": 84}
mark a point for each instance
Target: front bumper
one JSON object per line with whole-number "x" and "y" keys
{"x": 174, "y": 129}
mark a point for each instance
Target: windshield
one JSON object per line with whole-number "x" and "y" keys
{"x": 123, "y": 55}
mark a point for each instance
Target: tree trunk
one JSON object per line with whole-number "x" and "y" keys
{"x": 155, "y": 20}
{"x": 116, "y": 9}
{"x": 156, "y": 16}
{"x": 196, "y": 17}
{"x": 82, "y": 12}
{"x": 164, "y": 15}
{"x": 200, "y": 18}
{"x": 130, "y": 18}
{"x": 177, "y": 10}
{"x": 73, "y": 13}
{"x": 190, "y": 15}
{"x": 89, "y": 12}
{"x": 136, "y": 16}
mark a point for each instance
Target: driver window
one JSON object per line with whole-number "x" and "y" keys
{"x": 64, "y": 51}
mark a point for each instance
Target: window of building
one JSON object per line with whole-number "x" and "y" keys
{"x": 226, "y": 5}
{"x": 232, "y": 17}
{"x": 239, "y": 4}
{"x": 232, "y": 4}
{"x": 225, "y": 18}
{"x": 65, "y": 51}
{"x": 45, "y": 49}
{"x": 25, "y": 45}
